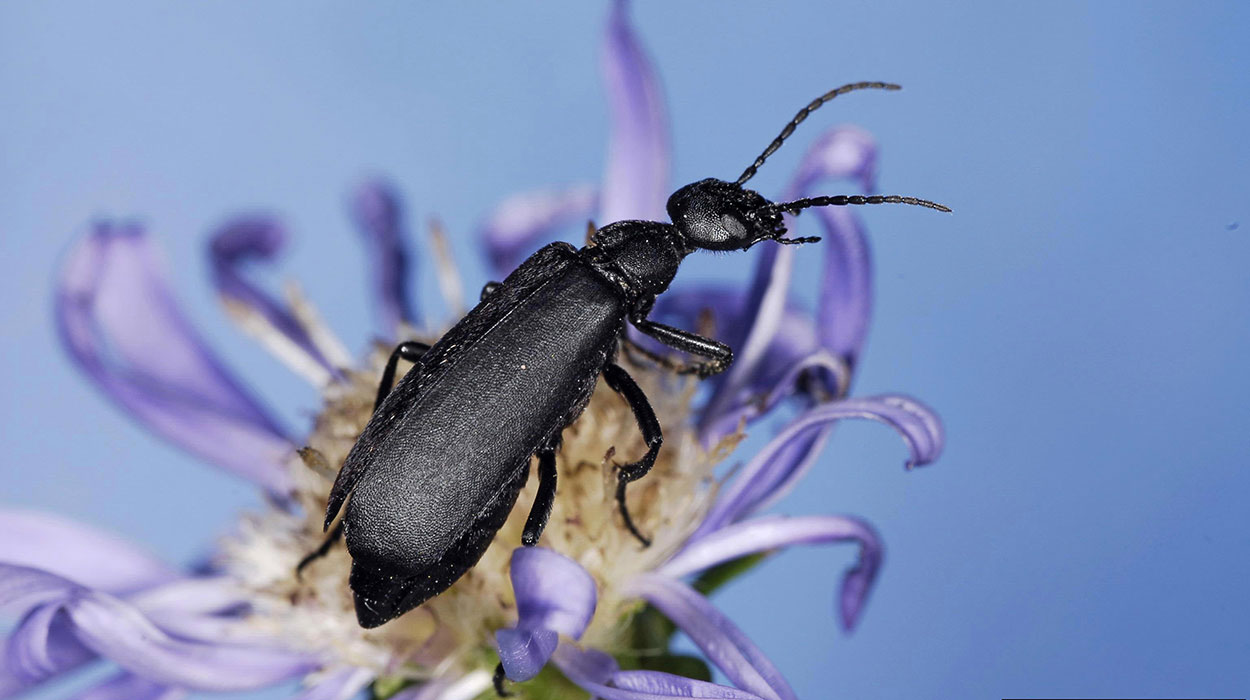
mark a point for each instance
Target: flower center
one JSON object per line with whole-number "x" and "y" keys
{"x": 455, "y": 629}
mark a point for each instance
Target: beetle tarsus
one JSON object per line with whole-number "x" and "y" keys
{"x": 498, "y": 681}
{"x": 629, "y": 521}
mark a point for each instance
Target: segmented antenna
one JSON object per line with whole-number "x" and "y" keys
{"x": 798, "y": 119}
{"x": 841, "y": 200}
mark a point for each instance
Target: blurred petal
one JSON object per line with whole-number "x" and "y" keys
{"x": 524, "y": 222}
{"x": 127, "y": 686}
{"x": 64, "y": 547}
{"x": 635, "y": 183}
{"x": 120, "y": 632}
{"x": 598, "y": 674}
{"x": 769, "y": 533}
{"x": 378, "y": 212}
{"x": 118, "y": 320}
{"x": 523, "y": 653}
{"x": 720, "y": 639}
{"x": 258, "y": 238}
{"x": 552, "y": 591}
{"x": 776, "y": 467}
{"x": 343, "y": 684}
{"x": 841, "y": 153}
{"x": 42, "y": 645}
{"x": 466, "y": 687}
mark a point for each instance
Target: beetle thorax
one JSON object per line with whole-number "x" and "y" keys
{"x": 642, "y": 257}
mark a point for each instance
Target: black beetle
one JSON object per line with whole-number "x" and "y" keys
{"x": 438, "y": 468}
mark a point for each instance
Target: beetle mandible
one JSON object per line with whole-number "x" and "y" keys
{"x": 436, "y": 471}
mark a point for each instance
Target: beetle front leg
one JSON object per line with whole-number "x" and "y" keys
{"x": 410, "y": 350}
{"x": 623, "y": 384}
{"x": 720, "y": 356}
{"x": 546, "y": 496}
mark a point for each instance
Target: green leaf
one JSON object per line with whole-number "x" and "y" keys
{"x": 719, "y": 575}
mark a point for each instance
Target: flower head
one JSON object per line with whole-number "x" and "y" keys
{"x": 589, "y": 602}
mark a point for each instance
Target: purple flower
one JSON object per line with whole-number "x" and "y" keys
{"x": 247, "y": 622}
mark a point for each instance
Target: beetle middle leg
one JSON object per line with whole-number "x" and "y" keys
{"x": 546, "y": 496}
{"x": 719, "y": 355}
{"x": 623, "y": 384}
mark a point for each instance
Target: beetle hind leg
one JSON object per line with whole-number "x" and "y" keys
{"x": 623, "y": 384}
{"x": 320, "y": 551}
{"x": 410, "y": 350}
{"x": 541, "y": 511}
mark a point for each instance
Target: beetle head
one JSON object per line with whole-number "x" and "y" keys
{"x": 717, "y": 215}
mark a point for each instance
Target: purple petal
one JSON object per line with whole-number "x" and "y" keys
{"x": 776, "y": 532}
{"x": 64, "y": 547}
{"x": 761, "y": 316}
{"x": 720, "y": 639}
{"x": 598, "y": 674}
{"x": 635, "y": 183}
{"x": 552, "y": 591}
{"x": 378, "y": 212}
{"x": 844, "y": 152}
{"x": 249, "y": 239}
{"x": 120, "y": 632}
{"x": 775, "y": 468}
{"x": 523, "y": 653}
{"x": 771, "y": 388}
{"x": 343, "y": 684}
{"x": 554, "y": 595}
{"x": 845, "y": 305}
{"x": 841, "y": 153}
{"x": 118, "y": 320}
{"x": 521, "y": 223}
{"x": 42, "y": 645}
{"x": 127, "y": 686}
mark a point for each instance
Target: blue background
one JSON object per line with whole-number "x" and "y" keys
{"x": 1080, "y": 322}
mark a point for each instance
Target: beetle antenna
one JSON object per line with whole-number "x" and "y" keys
{"x": 844, "y": 199}
{"x": 799, "y": 241}
{"x": 798, "y": 119}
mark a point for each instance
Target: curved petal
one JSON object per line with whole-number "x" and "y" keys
{"x": 792, "y": 362}
{"x": 120, "y": 632}
{"x": 378, "y": 212}
{"x": 520, "y": 223}
{"x": 776, "y": 532}
{"x": 127, "y": 686}
{"x": 523, "y": 653}
{"x": 62, "y": 546}
{"x": 119, "y": 321}
{"x": 554, "y": 595}
{"x": 260, "y": 238}
{"x": 775, "y": 468}
{"x": 42, "y": 645}
{"x": 343, "y": 684}
{"x": 598, "y": 674}
{"x": 552, "y": 591}
{"x": 635, "y": 182}
{"x": 720, "y": 639}
{"x": 842, "y": 152}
